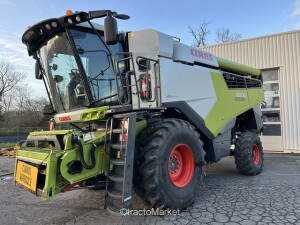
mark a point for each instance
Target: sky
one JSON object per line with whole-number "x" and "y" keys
{"x": 251, "y": 18}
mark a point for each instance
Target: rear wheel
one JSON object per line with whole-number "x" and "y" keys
{"x": 249, "y": 156}
{"x": 169, "y": 164}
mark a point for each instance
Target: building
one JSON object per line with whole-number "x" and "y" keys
{"x": 278, "y": 56}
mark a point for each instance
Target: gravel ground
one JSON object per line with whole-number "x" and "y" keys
{"x": 227, "y": 197}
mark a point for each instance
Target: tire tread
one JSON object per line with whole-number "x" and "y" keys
{"x": 147, "y": 160}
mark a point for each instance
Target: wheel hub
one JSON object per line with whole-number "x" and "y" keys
{"x": 255, "y": 154}
{"x": 174, "y": 164}
{"x": 181, "y": 165}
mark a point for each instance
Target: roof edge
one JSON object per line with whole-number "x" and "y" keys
{"x": 252, "y": 38}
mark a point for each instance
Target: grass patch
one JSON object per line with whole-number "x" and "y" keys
{"x": 7, "y": 145}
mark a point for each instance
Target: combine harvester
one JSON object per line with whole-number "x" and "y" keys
{"x": 145, "y": 110}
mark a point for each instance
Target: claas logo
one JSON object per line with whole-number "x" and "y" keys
{"x": 64, "y": 118}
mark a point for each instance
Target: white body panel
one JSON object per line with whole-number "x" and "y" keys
{"x": 185, "y": 53}
{"x": 68, "y": 117}
{"x": 192, "y": 84}
{"x": 179, "y": 82}
{"x": 154, "y": 43}
{"x": 149, "y": 43}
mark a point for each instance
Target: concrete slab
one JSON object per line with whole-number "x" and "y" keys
{"x": 227, "y": 197}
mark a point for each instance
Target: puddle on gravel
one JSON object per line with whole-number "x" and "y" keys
{"x": 6, "y": 178}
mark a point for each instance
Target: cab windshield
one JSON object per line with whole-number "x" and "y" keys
{"x": 69, "y": 88}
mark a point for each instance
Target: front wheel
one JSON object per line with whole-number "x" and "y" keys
{"x": 249, "y": 156}
{"x": 170, "y": 164}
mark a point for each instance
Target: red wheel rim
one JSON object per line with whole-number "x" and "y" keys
{"x": 181, "y": 165}
{"x": 255, "y": 154}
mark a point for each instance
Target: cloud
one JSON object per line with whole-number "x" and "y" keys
{"x": 296, "y": 10}
{"x": 13, "y": 51}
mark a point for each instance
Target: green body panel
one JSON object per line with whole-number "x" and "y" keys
{"x": 56, "y": 160}
{"x": 57, "y": 176}
{"x": 72, "y": 154}
{"x": 140, "y": 126}
{"x": 229, "y": 103}
{"x": 256, "y": 96}
{"x": 54, "y": 132}
{"x": 228, "y": 65}
{"x": 93, "y": 114}
{"x": 40, "y": 158}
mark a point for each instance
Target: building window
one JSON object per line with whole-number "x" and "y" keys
{"x": 271, "y": 106}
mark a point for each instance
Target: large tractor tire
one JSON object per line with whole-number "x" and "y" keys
{"x": 170, "y": 164}
{"x": 249, "y": 156}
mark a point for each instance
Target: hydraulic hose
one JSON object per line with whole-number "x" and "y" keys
{"x": 81, "y": 155}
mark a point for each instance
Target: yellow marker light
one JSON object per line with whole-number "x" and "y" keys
{"x": 17, "y": 147}
{"x": 69, "y": 12}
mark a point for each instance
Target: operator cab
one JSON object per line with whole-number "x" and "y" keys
{"x": 63, "y": 66}
{"x": 80, "y": 62}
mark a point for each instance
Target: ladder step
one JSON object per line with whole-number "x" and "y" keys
{"x": 119, "y": 131}
{"x": 113, "y": 209}
{"x": 115, "y": 177}
{"x": 118, "y": 146}
{"x": 121, "y": 157}
{"x": 132, "y": 85}
{"x": 118, "y": 162}
{"x": 113, "y": 193}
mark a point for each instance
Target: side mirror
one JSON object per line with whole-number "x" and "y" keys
{"x": 110, "y": 29}
{"x": 38, "y": 74}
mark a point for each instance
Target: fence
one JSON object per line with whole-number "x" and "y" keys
{"x": 16, "y": 134}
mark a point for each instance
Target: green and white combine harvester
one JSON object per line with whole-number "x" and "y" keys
{"x": 146, "y": 110}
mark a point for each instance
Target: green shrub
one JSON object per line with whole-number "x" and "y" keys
{"x": 7, "y": 145}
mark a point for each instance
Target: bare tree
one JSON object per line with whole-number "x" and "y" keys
{"x": 8, "y": 100}
{"x": 200, "y": 34}
{"x": 18, "y": 107}
{"x": 9, "y": 78}
{"x": 225, "y": 35}
{"x": 23, "y": 99}
{"x": 21, "y": 109}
